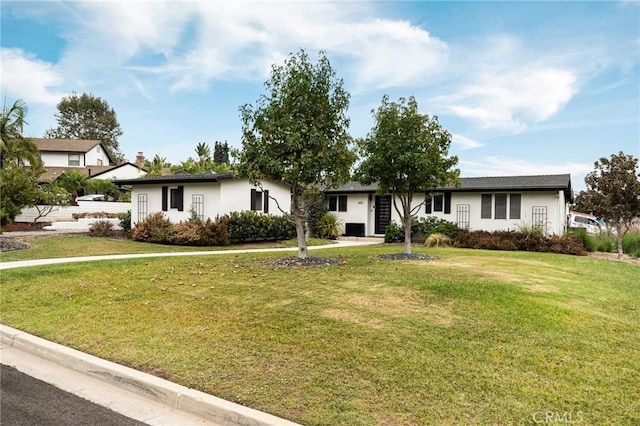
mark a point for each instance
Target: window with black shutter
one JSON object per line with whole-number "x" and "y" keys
{"x": 256, "y": 200}
{"x": 437, "y": 203}
{"x": 165, "y": 198}
{"x": 515, "y": 205}
{"x": 342, "y": 203}
{"x": 447, "y": 203}
{"x": 266, "y": 201}
{"x": 485, "y": 207}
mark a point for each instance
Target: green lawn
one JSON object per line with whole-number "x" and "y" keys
{"x": 476, "y": 337}
{"x": 46, "y": 247}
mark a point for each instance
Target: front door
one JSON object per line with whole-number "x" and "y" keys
{"x": 383, "y": 213}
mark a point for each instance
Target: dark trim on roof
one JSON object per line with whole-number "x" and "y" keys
{"x": 479, "y": 184}
{"x": 177, "y": 178}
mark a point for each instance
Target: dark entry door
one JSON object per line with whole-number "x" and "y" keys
{"x": 383, "y": 213}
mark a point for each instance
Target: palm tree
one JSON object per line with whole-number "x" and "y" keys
{"x": 13, "y": 146}
{"x": 156, "y": 166}
{"x": 204, "y": 155}
{"x": 73, "y": 181}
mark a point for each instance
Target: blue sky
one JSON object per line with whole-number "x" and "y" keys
{"x": 525, "y": 88}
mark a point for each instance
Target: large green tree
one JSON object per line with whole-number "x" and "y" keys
{"x": 614, "y": 192}
{"x": 88, "y": 117}
{"x": 297, "y": 132}
{"x": 406, "y": 152}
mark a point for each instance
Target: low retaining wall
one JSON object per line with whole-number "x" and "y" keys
{"x": 81, "y": 224}
{"x": 66, "y": 213}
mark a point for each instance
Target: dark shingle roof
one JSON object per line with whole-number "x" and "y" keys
{"x": 493, "y": 183}
{"x": 177, "y": 178}
{"x": 65, "y": 145}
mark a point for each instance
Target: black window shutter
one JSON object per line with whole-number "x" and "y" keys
{"x": 266, "y": 201}
{"x": 428, "y": 205}
{"x": 180, "y": 194}
{"x": 447, "y": 203}
{"x": 253, "y": 199}
{"x": 165, "y": 198}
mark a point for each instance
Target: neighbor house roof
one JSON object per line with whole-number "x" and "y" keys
{"x": 177, "y": 178}
{"x": 89, "y": 171}
{"x": 493, "y": 183}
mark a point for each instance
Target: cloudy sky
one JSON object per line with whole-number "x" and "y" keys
{"x": 525, "y": 88}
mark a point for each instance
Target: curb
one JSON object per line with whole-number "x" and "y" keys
{"x": 154, "y": 388}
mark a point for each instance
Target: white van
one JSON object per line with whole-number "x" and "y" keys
{"x": 584, "y": 220}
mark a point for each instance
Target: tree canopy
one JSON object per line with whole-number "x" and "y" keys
{"x": 613, "y": 190}
{"x": 406, "y": 152}
{"x": 297, "y": 132}
{"x": 88, "y": 117}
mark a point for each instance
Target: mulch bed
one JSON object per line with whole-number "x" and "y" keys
{"x": 404, "y": 256}
{"x": 294, "y": 261}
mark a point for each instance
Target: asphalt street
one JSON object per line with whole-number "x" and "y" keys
{"x": 25, "y": 400}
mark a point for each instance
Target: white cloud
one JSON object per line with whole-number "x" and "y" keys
{"x": 512, "y": 99}
{"x": 27, "y": 78}
{"x": 464, "y": 142}
{"x": 501, "y": 84}
{"x": 186, "y": 45}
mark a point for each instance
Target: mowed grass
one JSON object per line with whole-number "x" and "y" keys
{"x": 476, "y": 337}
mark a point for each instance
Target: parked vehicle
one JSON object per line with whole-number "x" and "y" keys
{"x": 585, "y": 221}
{"x": 95, "y": 197}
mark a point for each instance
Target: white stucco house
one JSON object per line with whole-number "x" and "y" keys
{"x": 480, "y": 203}
{"x": 88, "y": 157}
{"x": 207, "y": 194}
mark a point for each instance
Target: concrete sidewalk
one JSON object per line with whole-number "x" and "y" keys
{"x": 137, "y": 395}
{"x": 41, "y": 262}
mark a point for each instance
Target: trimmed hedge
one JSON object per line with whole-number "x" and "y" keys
{"x": 237, "y": 227}
{"x": 523, "y": 241}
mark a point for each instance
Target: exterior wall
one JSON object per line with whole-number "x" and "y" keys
{"x": 361, "y": 209}
{"x": 61, "y": 159}
{"x": 236, "y": 196}
{"x": 218, "y": 198}
{"x": 124, "y": 172}
{"x": 94, "y": 154}
{"x": 552, "y": 200}
{"x": 58, "y": 159}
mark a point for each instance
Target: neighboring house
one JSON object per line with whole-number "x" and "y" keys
{"x": 480, "y": 203}
{"x": 89, "y": 157}
{"x": 207, "y": 195}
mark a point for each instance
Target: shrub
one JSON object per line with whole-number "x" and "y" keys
{"x": 432, "y": 225}
{"x": 125, "y": 220}
{"x": 155, "y": 228}
{"x": 512, "y": 240}
{"x": 101, "y": 228}
{"x": 588, "y": 242}
{"x": 393, "y": 233}
{"x": 251, "y": 226}
{"x": 215, "y": 233}
{"x": 185, "y": 233}
{"x": 328, "y": 227}
{"x": 437, "y": 240}
{"x": 605, "y": 243}
{"x": 631, "y": 243}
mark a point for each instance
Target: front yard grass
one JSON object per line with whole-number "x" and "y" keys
{"x": 476, "y": 337}
{"x": 55, "y": 246}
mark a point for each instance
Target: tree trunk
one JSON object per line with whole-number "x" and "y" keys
{"x": 407, "y": 234}
{"x": 299, "y": 218}
{"x": 619, "y": 238}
